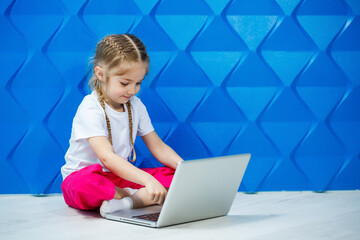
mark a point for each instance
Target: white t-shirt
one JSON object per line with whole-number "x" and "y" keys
{"x": 90, "y": 121}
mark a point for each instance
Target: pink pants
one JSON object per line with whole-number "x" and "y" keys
{"x": 87, "y": 188}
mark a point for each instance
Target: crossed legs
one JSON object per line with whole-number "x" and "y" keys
{"x": 123, "y": 199}
{"x": 89, "y": 187}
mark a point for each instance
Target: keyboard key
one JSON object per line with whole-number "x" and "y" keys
{"x": 151, "y": 216}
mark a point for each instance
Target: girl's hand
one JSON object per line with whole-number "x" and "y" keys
{"x": 156, "y": 191}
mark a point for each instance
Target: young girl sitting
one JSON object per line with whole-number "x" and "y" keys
{"x": 97, "y": 172}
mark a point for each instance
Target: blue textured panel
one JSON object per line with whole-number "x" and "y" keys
{"x": 189, "y": 16}
{"x": 252, "y": 90}
{"x": 320, "y": 156}
{"x": 175, "y": 83}
{"x": 43, "y": 14}
{"x": 115, "y": 16}
{"x": 217, "y": 131}
{"x": 277, "y": 78}
{"x": 264, "y": 155}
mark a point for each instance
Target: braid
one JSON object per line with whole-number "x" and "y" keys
{"x": 102, "y": 103}
{"x": 110, "y": 41}
{"x": 128, "y": 105}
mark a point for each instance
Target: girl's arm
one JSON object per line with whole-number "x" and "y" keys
{"x": 162, "y": 152}
{"x": 122, "y": 168}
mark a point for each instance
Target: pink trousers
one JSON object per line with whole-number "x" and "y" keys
{"x": 87, "y": 188}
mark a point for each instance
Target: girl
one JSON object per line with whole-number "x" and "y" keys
{"x": 97, "y": 172}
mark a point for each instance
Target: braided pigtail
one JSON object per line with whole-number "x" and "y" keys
{"x": 128, "y": 105}
{"x": 102, "y": 103}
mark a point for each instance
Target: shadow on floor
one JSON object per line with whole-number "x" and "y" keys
{"x": 223, "y": 222}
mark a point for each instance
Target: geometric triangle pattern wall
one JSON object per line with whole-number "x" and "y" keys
{"x": 277, "y": 78}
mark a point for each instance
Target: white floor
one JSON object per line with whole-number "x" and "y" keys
{"x": 271, "y": 215}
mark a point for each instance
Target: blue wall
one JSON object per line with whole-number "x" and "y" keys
{"x": 277, "y": 78}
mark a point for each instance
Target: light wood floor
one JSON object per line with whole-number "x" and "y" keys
{"x": 267, "y": 215}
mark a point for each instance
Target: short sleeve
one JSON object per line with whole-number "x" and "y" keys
{"x": 89, "y": 120}
{"x": 145, "y": 126}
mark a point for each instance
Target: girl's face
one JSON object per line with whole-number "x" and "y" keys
{"x": 119, "y": 87}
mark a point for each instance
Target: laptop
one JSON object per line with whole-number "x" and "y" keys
{"x": 200, "y": 189}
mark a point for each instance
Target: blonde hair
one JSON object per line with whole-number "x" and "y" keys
{"x": 112, "y": 51}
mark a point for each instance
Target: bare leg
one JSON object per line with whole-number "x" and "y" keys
{"x": 121, "y": 193}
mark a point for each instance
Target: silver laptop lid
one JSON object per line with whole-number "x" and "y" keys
{"x": 203, "y": 188}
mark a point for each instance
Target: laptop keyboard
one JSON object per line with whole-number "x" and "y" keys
{"x": 150, "y": 216}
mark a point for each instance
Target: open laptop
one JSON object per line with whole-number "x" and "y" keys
{"x": 201, "y": 189}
